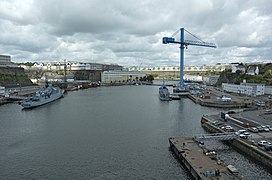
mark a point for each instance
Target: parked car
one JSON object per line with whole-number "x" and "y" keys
{"x": 265, "y": 129}
{"x": 260, "y": 129}
{"x": 222, "y": 125}
{"x": 253, "y": 129}
{"x": 227, "y": 128}
{"x": 217, "y": 123}
{"x": 246, "y": 135}
{"x": 268, "y": 147}
{"x": 269, "y": 127}
{"x": 263, "y": 143}
{"x": 241, "y": 131}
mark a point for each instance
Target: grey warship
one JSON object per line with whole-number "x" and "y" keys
{"x": 42, "y": 97}
{"x": 164, "y": 93}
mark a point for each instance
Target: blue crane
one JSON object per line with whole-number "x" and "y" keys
{"x": 184, "y": 43}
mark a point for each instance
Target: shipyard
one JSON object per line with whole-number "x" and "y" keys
{"x": 244, "y": 114}
{"x": 245, "y": 125}
{"x": 136, "y": 90}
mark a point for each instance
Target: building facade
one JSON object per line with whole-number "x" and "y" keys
{"x": 5, "y": 61}
{"x": 120, "y": 76}
{"x": 210, "y": 80}
{"x": 235, "y": 88}
{"x": 218, "y": 68}
{"x": 194, "y": 78}
{"x": 249, "y": 89}
{"x": 235, "y": 67}
{"x": 252, "y": 89}
{"x": 75, "y": 66}
{"x": 268, "y": 90}
{"x": 252, "y": 70}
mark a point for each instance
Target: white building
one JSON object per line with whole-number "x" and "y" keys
{"x": 235, "y": 88}
{"x": 60, "y": 66}
{"x": 2, "y": 91}
{"x": 253, "y": 70}
{"x": 268, "y": 90}
{"x": 218, "y": 68}
{"x": 249, "y": 89}
{"x": 5, "y": 61}
{"x": 195, "y": 78}
{"x": 210, "y": 80}
{"x": 237, "y": 67}
{"x": 252, "y": 89}
{"x": 120, "y": 76}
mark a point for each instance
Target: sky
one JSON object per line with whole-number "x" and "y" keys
{"x": 129, "y": 32}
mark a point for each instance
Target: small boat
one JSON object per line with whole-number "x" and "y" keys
{"x": 164, "y": 93}
{"x": 42, "y": 97}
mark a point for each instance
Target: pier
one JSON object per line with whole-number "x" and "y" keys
{"x": 200, "y": 162}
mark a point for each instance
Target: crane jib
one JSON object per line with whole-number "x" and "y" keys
{"x": 167, "y": 40}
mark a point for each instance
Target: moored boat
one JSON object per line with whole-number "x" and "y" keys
{"x": 45, "y": 96}
{"x": 164, "y": 93}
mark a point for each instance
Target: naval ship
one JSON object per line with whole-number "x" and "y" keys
{"x": 164, "y": 93}
{"x": 42, "y": 97}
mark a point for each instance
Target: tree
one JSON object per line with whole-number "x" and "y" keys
{"x": 150, "y": 78}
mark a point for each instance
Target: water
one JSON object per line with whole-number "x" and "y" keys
{"x": 103, "y": 133}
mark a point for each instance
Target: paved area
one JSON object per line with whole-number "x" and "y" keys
{"x": 258, "y": 116}
{"x": 202, "y": 161}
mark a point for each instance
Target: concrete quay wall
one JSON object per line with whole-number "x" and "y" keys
{"x": 241, "y": 145}
{"x": 214, "y": 104}
{"x": 182, "y": 158}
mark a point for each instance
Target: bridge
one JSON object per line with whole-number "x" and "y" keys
{"x": 215, "y": 137}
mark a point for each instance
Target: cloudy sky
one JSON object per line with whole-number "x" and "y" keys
{"x": 129, "y": 32}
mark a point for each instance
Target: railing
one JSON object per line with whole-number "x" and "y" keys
{"x": 215, "y": 137}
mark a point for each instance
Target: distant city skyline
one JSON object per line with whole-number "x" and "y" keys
{"x": 129, "y": 33}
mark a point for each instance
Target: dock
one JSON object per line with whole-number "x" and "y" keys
{"x": 248, "y": 147}
{"x": 200, "y": 162}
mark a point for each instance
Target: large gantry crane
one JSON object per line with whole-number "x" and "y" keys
{"x": 184, "y": 43}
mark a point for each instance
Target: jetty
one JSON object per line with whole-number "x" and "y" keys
{"x": 201, "y": 162}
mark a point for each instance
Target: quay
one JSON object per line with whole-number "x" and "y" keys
{"x": 200, "y": 162}
{"x": 217, "y": 104}
{"x": 249, "y": 146}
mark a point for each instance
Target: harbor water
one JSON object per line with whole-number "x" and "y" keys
{"x": 104, "y": 133}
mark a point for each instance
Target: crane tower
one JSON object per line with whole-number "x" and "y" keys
{"x": 185, "y": 43}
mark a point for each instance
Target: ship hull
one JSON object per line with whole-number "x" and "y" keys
{"x": 43, "y": 100}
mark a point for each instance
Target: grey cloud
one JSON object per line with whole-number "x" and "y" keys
{"x": 130, "y": 32}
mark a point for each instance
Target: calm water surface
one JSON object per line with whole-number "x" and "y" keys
{"x": 103, "y": 133}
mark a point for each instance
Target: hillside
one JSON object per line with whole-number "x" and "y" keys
{"x": 264, "y": 77}
{"x": 12, "y": 77}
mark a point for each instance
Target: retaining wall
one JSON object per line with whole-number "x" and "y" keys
{"x": 241, "y": 145}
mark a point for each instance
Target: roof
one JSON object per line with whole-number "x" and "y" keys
{"x": 251, "y": 68}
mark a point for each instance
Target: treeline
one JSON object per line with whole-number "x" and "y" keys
{"x": 264, "y": 77}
